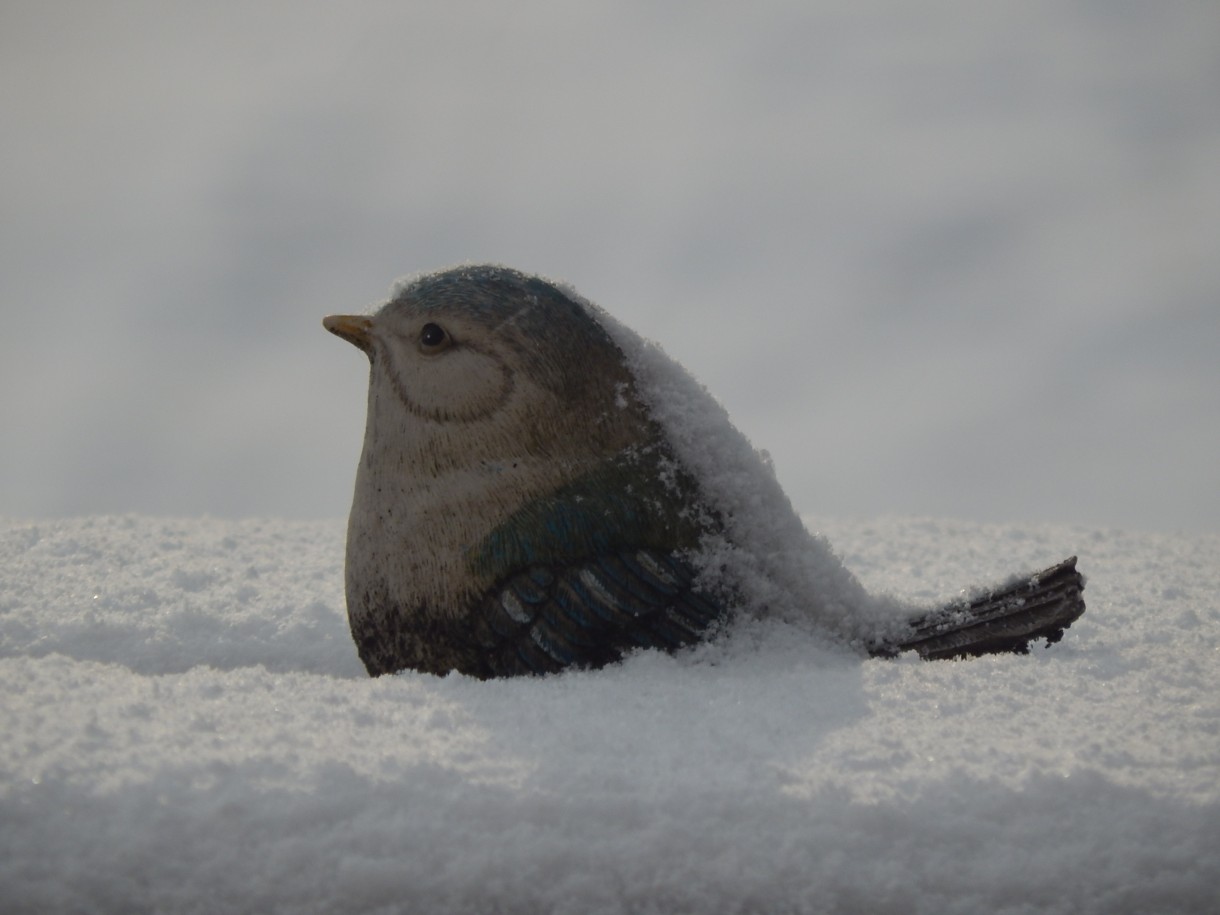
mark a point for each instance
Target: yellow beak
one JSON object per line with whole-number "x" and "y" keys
{"x": 355, "y": 329}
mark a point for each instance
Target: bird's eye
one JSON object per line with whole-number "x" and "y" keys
{"x": 433, "y": 339}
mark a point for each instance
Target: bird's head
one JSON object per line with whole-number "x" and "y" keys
{"x": 490, "y": 359}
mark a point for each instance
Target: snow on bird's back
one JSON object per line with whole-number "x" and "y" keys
{"x": 781, "y": 569}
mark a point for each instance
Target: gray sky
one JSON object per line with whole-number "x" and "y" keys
{"x": 947, "y": 260}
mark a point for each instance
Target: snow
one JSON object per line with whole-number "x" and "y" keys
{"x": 767, "y": 553}
{"x": 186, "y": 728}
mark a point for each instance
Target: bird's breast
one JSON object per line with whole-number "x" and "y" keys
{"x": 411, "y": 536}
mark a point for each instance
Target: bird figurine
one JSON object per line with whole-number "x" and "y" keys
{"x": 541, "y": 489}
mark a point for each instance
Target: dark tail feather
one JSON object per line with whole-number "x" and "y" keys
{"x": 1004, "y": 620}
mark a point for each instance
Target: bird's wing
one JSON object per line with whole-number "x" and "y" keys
{"x": 588, "y": 613}
{"x": 1004, "y": 620}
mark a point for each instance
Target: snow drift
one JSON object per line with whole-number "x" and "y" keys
{"x": 187, "y": 728}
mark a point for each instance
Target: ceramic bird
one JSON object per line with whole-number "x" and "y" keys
{"x": 540, "y": 489}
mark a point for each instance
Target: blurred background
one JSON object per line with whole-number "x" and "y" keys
{"x": 942, "y": 259}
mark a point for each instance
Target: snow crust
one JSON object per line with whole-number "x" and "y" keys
{"x": 186, "y": 728}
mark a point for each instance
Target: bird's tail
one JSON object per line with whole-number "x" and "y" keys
{"x": 1005, "y": 619}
